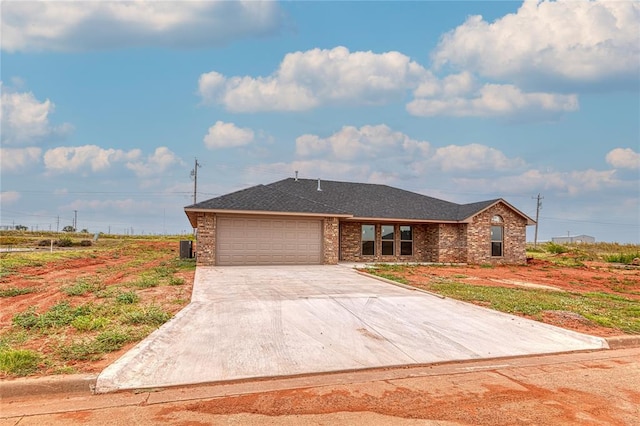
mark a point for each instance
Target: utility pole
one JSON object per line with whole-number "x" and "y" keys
{"x": 58, "y": 224}
{"x": 75, "y": 220}
{"x": 194, "y": 175}
{"x": 538, "y": 207}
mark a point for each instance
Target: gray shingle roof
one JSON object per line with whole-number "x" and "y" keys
{"x": 342, "y": 198}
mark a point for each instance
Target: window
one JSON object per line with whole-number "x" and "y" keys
{"x": 406, "y": 241}
{"x": 368, "y": 240}
{"x": 387, "y": 240}
{"x": 497, "y": 236}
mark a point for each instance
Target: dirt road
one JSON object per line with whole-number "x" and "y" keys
{"x": 595, "y": 388}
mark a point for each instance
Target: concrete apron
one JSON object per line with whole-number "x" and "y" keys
{"x": 254, "y": 322}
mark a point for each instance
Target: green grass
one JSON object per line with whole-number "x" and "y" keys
{"x": 575, "y": 254}
{"x": 603, "y": 309}
{"x": 127, "y": 298}
{"x": 19, "y": 362}
{"x": 82, "y": 286}
{"x": 149, "y": 315}
{"x": 59, "y": 315}
{"x": 625, "y": 258}
{"x": 16, "y": 291}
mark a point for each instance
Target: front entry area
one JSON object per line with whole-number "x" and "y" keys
{"x": 268, "y": 241}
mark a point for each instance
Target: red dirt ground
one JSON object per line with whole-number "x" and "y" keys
{"x": 113, "y": 267}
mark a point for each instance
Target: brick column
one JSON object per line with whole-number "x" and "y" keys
{"x": 330, "y": 241}
{"x": 206, "y": 240}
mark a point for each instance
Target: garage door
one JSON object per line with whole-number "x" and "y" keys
{"x": 272, "y": 241}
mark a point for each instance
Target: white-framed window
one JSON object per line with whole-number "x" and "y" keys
{"x": 406, "y": 240}
{"x": 368, "y": 239}
{"x": 497, "y": 236}
{"x": 388, "y": 240}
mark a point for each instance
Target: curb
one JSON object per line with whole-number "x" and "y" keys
{"x": 623, "y": 342}
{"x": 50, "y": 385}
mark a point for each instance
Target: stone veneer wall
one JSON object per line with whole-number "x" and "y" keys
{"x": 514, "y": 237}
{"x": 206, "y": 240}
{"x": 330, "y": 241}
{"x": 423, "y": 239}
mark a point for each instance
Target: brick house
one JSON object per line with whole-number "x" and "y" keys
{"x": 303, "y": 221}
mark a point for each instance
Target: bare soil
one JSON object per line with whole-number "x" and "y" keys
{"x": 114, "y": 268}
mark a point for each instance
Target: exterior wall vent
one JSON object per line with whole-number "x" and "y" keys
{"x": 296, "y": 176}
{"x": 319, "y": 188}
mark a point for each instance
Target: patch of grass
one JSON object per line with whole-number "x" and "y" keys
{"x": 59, "y": 315}
{"x": 625, "y": 258}
{"x": 149, "y": 315}
{"x": 93, "y": 349}
{"x": 127, "y": 298}
{"x": 556, "y": 248}
{"x": 146, "y": 281}
{"x": 603, "y": 309}
{"x": 82, "y": 286}
{"x": 19, "y": 362}
{"x": 16, "y": 291}
{"x": 89, "y": 323}
{"x": 176, "y": 281}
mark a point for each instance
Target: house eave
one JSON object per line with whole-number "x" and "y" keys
{"x": 529, "y": 220}
{"x": 192, "y": 211}
{"x": 402, "y": 220}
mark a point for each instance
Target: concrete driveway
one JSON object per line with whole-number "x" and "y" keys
{"x": 249, "y": 322}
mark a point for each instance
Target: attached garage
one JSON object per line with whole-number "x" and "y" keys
{"x": 268, "y": 241}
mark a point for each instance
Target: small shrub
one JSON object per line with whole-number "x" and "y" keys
{"x": 128, "y": 298}
{"x": 556, "y": 248}
{"x": 86, "y": 243}
{"x": 64, "y": 242}
{"x": 44, "y": 243}
{"x": 16, "y": 291}
{"x": 19, "y": 362}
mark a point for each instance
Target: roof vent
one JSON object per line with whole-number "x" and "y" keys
{"x": 319, "y": 189}
{"x": 296, "y": 175}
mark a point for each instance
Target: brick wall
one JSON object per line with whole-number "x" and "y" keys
{"x": 330, "y": 241}
{"x": 452, "y": 243}
{"x": 206, "y": 240}
{"x": 514, "y": 237}
{"x": 350, "y": 243}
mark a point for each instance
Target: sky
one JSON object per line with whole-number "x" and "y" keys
{"x": 107, "y": 105}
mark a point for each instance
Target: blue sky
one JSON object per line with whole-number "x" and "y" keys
{"x": 105, "y": 106}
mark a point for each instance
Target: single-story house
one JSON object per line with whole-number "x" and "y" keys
{"x": 304, "y": 221}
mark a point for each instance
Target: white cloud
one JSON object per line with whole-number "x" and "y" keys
{"x": 572, "y": 183}
{"x": 456, "y": 96}
{"x": 9, "y": 197}
{"x": 17, "y": 159}
{"x": 69, "y": 159}
{"x": 586, "y": 41}
{"x": 227, "y": 135}
{"x": 155, "y": 164}
{"x": 90, "y": 25}
{"x": 305, "y": 80}
{"x": 366, "y": 142}
{"x": 473, "y": 157}
{"x": 25, "y": 119}
{"x": 624, "y": 158}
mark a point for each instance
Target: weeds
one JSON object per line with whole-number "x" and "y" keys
{"x": 16, "y": 291}
{"x": 82, "y": 286}
{"x": 625, "y": 258}
{"x": 57, "y": 316}
{"x": 149, "y": 315}
{"x": 127, "y": 298}
{"x": 19, "y": 362}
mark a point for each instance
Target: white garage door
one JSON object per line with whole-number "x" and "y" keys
{"x": 272, "y": 241}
